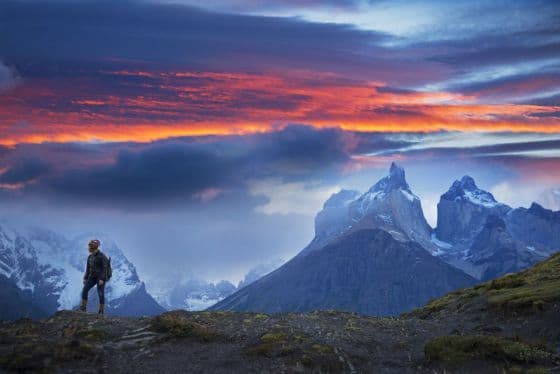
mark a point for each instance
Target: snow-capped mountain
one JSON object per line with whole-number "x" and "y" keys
{"x": 375, "y": 253}
{"x": 389, "y": 204}
{"x": 196, "y": 294}
{"x": 193, "y": 294}
{"x": 371, "y": 254}
{"x": 19, "y": 264}
{"x": 486, "y": 238}
{"x": 50, "y": 267}
{"x": 463, "y": 210}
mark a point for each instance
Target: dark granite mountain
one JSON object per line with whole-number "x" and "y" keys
{"x": 389, "y": 204}
{"x": 348, "y": 267}
{"x": 371, "y": 254}
{"x": 17, "y": 303}
{"x": 463, "y": 209}
{"x": 366, "y": 271}
{"x": 486, "y": 238}
{"x": 536, "y": 226}
{"x": 495, "y": 252}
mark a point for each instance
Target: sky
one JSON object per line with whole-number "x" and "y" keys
{"x": 205, "y": 136}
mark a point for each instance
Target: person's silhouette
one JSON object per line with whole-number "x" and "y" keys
{"x": 96, "y": 275}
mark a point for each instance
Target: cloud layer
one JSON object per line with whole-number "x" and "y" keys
{"x": 94, "y": 74}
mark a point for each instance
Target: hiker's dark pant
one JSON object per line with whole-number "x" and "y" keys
{"x": 90, "y": 282}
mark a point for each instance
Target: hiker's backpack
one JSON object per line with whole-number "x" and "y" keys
{"x": 108, "y": 269}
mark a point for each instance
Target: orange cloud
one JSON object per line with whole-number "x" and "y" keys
{"x": 147, "y": 106}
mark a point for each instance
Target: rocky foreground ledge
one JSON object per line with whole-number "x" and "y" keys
{"x": 511, "y": 324}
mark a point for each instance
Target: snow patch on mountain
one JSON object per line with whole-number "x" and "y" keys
{"x": 466, "y": 189}
{"x": 409, "y": 195}
{"x": 191, "y": 294}
{"x": 480, "y": 197}
{"x": 442, "y": 247}
{"x": 51, "y": 267}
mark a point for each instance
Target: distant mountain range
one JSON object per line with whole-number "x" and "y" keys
{"x": 486, "y": 238}
{"x": 196, "y": 294}
{"x": 43, "y": 272}
{"x": 374, "y": 253}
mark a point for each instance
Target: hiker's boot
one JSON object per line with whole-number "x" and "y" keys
{"x": 83, "y": 305}
{"x": 101, "y": 309}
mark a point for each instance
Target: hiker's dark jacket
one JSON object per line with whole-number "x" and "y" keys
{"x": 96, "y": 267}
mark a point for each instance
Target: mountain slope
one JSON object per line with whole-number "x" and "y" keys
{"x": 536, "y": 226}
{"x": 50, "y": 268}
{"x": 486, "y": 238}
{"x": 20, "y": 303}
{"x": 366, "y": 271}
{"x": 389, "y": 204}
{"x": 19, "y": 262}
{"x": 509, "y": 325}
{"x": 371, "y": 254}
{"x": 534, "y": 291}
{"x": 463, "y": 209}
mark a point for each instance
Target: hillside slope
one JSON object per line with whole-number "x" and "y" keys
{"x": 366, "y": 271}
{"x": 507, "y": 325}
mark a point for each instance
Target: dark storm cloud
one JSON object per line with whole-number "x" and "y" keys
{"x": 184, "y": 169}
{"x": 158, "y": 171}
{"x": 24, "y": 170}
{"x": 181, "y": 168}
{"x": 300, "y": 150}
{"x": 130, "y": 33}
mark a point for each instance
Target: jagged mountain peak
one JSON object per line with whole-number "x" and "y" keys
{"x": 540, "y": 211}
{"x": 466, "y": 189}
{"x": 467, "y": 183}
{"x": 395, "y": 180}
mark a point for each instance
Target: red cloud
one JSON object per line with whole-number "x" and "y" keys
{"x": 145, "y": 106}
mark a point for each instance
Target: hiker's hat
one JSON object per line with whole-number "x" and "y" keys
{"x": 94, "y": 243}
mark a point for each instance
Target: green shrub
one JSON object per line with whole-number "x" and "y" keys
{"x": 178, "y": 326}
{"x": 457, "y": 348}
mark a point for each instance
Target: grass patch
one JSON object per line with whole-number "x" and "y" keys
{"x": 178, "y": 326}
{"x": 90, "y": 334}
{"x": 45, "y": 356}
{"x": 458, "y": 349}
{"x": 451, "y": 301}
{"x": 528, "y": 291}
{"x": 296, "y": 347}
{"x": 277, "y": 343}
{"x": 94, "y": 335}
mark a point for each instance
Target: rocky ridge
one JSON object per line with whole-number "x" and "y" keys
{"x": 507, "y": 325}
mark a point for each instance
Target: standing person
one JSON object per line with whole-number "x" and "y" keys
{"x": 96, "y": 275}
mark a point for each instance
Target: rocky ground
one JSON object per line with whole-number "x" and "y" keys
{"x": 508, "y": 325}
